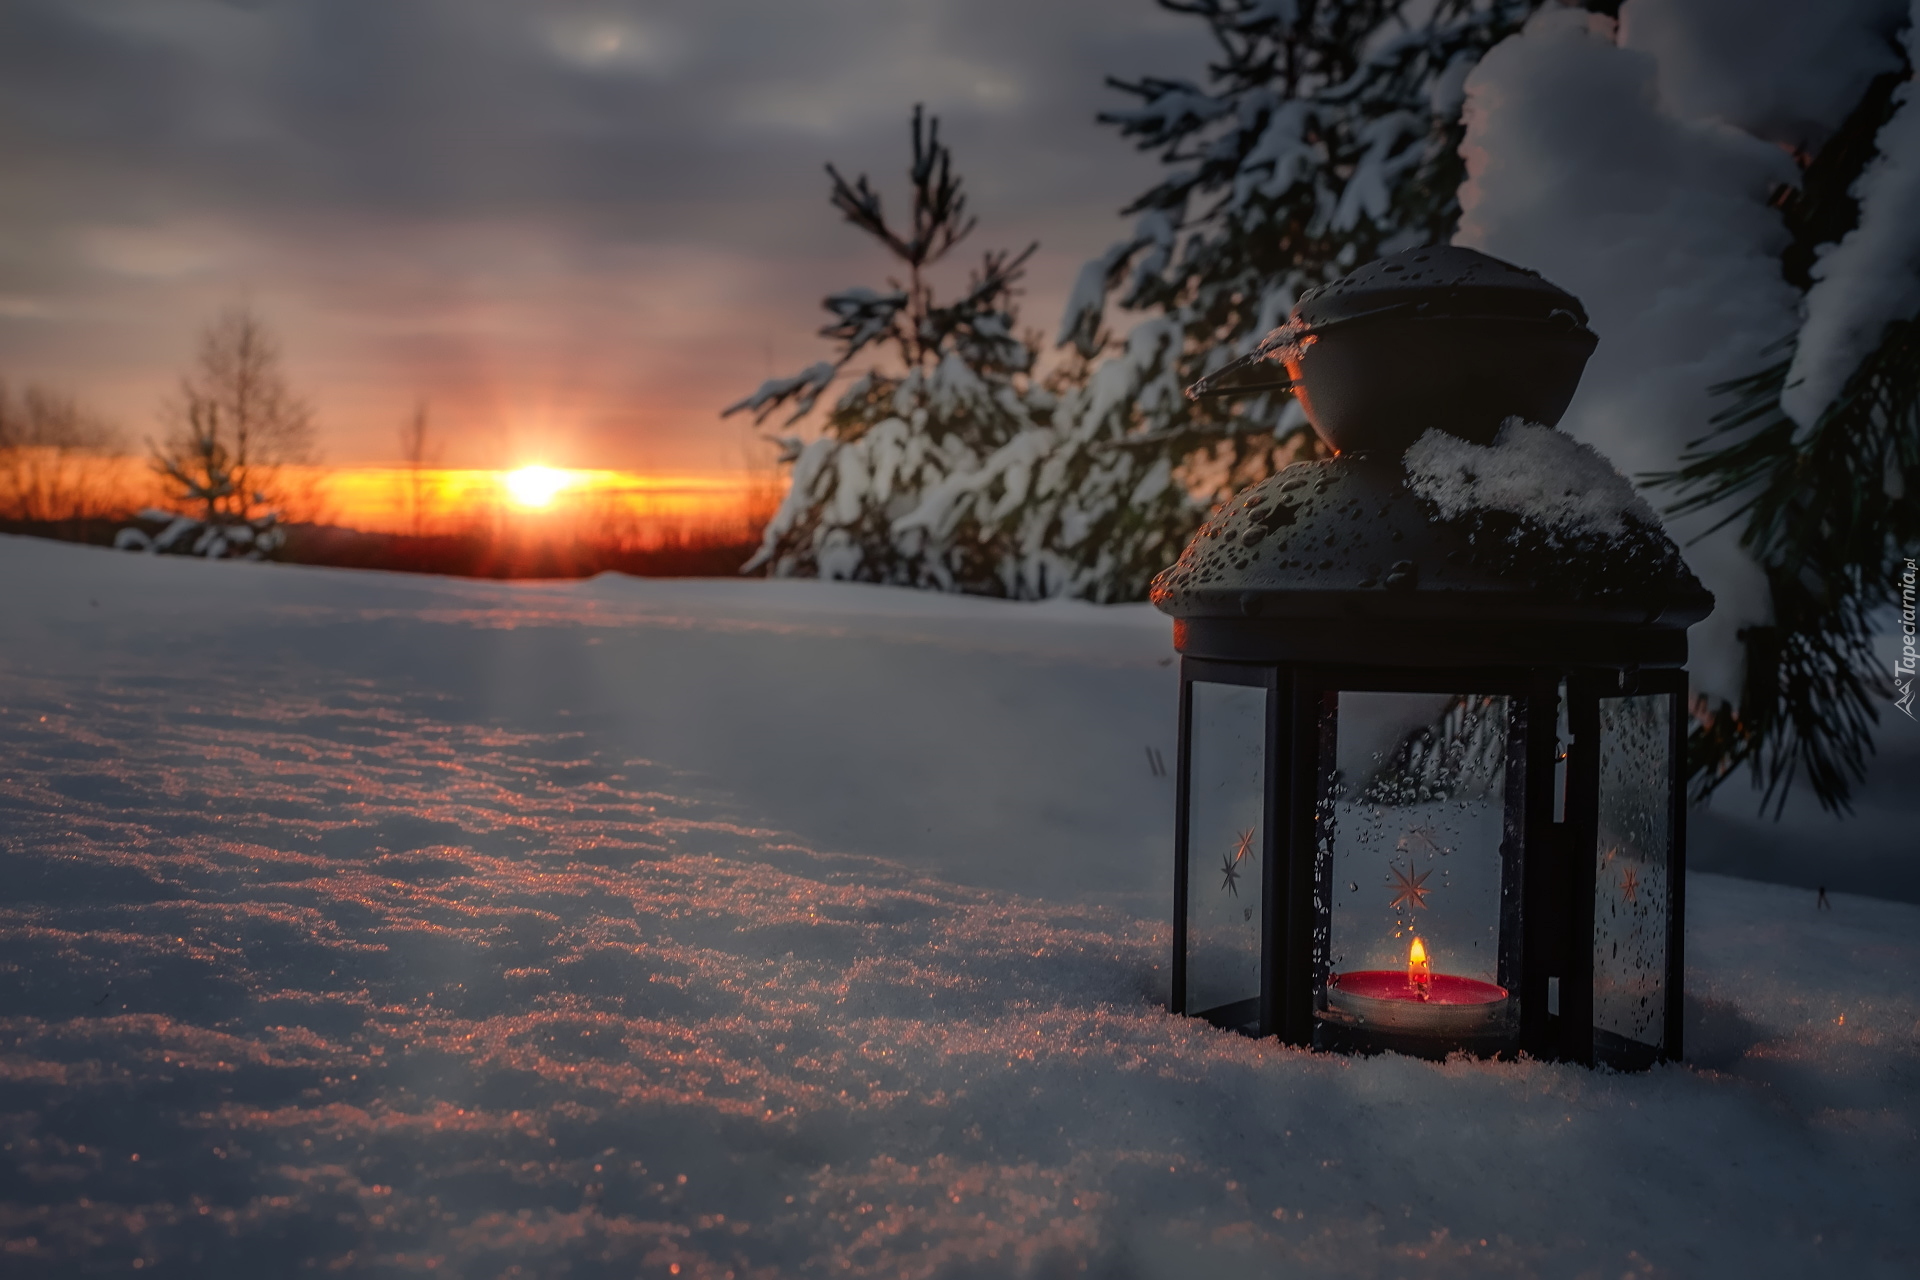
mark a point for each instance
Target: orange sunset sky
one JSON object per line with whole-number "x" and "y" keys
{"x": 575, "y": 230}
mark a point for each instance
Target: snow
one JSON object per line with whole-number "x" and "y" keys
{"x": 1080, "y": 319}
{"x": 1872, "y": 276}
{"x": 1660, "y": 224}
{"x": 1369, "y": 192}
{"x": 1281, "y": 157}
{"x": 1783, "y": 71}
{"x": 806, "y": 386}
{"x": 1531, "y": 471}
{"x": 777, "y": 928}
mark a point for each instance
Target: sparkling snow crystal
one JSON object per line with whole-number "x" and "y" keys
{"x": 1532, "y": 471}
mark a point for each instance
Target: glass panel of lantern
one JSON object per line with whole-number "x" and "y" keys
{"x": 1634, "y": 855}
{"x": 1418, "y": 868}
{"x": 1224, "y": 913}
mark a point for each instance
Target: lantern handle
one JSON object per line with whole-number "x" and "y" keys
{"x": 1209, "y": 386}
{"x": 1198, "y": 391}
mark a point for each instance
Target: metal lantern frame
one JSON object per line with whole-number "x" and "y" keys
{"x": 1352, "y": 575}
{"x": 1549, "y": 847}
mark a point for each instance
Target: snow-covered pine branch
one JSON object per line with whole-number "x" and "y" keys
{"x": 799, "y": 393}
{"x": 1326, "y": 135}
{"x": 1730, "y": 192}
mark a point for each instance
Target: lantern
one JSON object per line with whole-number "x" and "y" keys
{"x": 1430, "y": 783}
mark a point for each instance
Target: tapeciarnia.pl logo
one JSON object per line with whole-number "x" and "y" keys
{"x": 1903, "y": 666}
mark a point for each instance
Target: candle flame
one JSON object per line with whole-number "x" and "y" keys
{"x": 1419, "y": 971}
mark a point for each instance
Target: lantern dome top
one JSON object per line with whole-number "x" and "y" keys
{"x": 1531, "y": 549}
{"x": 1433, "y": 338}
{"x": 1438, "y": 281}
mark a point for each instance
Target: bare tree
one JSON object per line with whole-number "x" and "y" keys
{"x": 55, "y": 458}
{"x": 236, "y": 424}
{"x": 419, "y": 456}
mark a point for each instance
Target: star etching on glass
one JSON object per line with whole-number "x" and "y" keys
{"x": 1230, "y": 862}
{"x": 1406, "y": 888}
{"x": 1630, "y": 885}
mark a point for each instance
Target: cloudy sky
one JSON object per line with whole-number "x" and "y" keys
{"x": 577, "y": 227}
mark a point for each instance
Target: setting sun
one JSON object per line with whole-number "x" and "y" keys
{"x": 534, "y": 486}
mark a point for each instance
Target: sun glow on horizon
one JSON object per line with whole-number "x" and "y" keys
{"x": 535, "y": 487}
{"x": 642, "y": 506}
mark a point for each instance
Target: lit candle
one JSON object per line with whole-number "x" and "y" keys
{"x": 1417, "y": 999}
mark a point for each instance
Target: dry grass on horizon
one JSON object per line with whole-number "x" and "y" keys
{"x": 464, "y": 522}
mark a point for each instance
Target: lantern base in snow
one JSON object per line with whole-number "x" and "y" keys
{"x": 1372, "y": 1010}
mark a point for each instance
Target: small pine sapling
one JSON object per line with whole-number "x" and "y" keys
{"x": 236, "y": 426}
{"x": 945, "y": 385}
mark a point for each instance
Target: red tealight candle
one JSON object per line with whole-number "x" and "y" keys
{"x": 1417, "y": 1000}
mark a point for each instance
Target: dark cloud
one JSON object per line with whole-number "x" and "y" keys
{"x": 610, "y": 209}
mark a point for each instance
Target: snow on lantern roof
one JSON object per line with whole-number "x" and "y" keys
{"x": 1542, "y": 475}
{"x": 1533, "y": 541}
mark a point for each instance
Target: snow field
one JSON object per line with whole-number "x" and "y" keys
{"x": 421, "y": 926}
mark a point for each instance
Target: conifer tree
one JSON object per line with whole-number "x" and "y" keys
{"x": 1815, "y": 456}
{"x": 943, "y": 385}
{"x": 1327, "y": 134}
{"x": 236, "y": 424}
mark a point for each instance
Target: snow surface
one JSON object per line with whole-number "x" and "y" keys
{"x": 418, "y": 926}
{"x": 1873, "y": 275}
{"x": 1660, "y": 224}
{"x": 1530, "y": 471}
